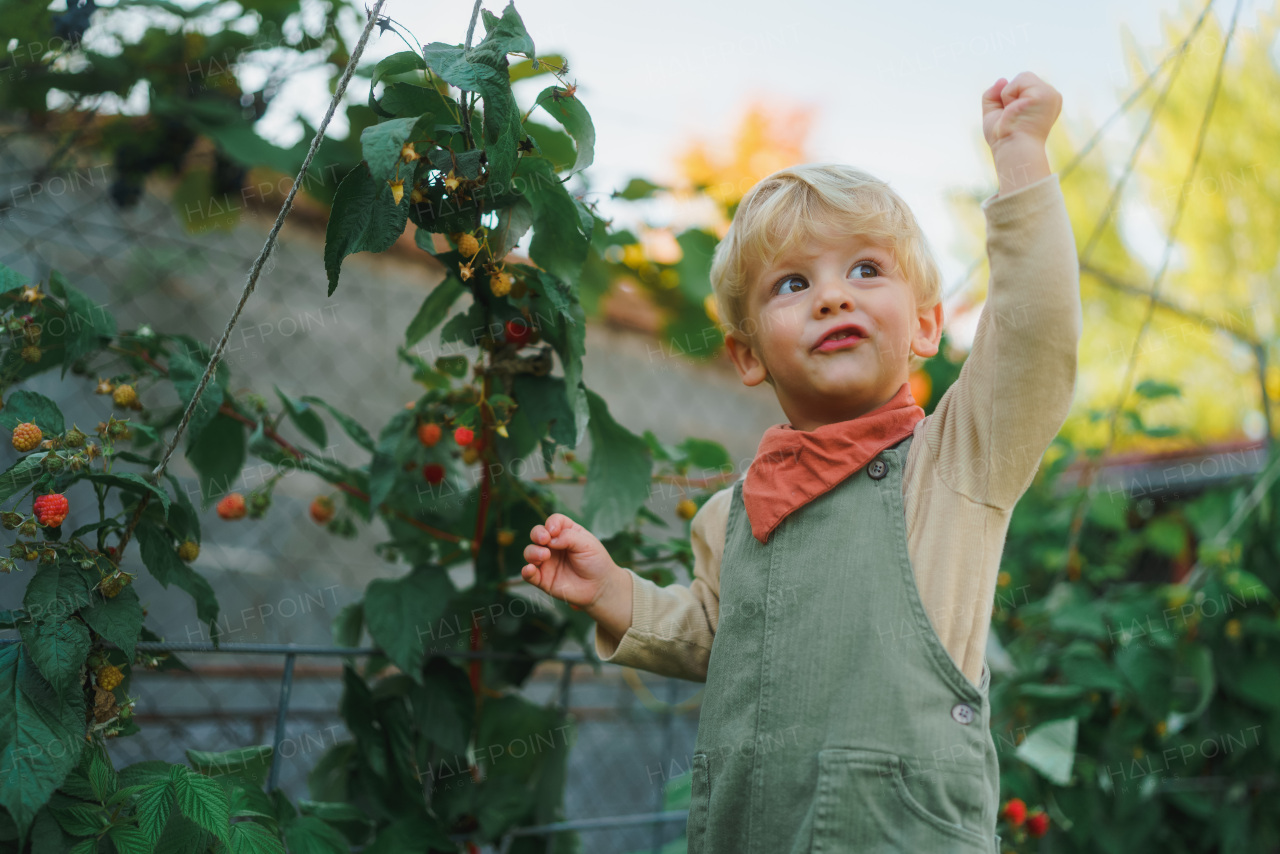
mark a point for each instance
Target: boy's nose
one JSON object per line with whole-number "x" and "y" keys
{"x": 832, "y": 294}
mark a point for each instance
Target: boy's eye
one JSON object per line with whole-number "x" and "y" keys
{"x": 782, "y": 283}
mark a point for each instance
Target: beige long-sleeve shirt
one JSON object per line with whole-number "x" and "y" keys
{"x": 969, "y": 461}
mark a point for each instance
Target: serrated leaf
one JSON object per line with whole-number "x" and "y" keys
{"x": 203, "y": 800}
{"x": 249, "y": 837}
{"x": 435, "y": 307}
{"x": 33, "y": 719}
{"x": 349, "y": 425}
{"x": 570, "y": 112}
{"x": 381, "y": 145}
{"x": 58, "y": 650}
{"x": 132, "y": 482}
{"x": 364, "y": 218}
{"x": 1050, "y": 749}
{"x": 22, "y": 474}
{"x": 118, "y": 619}
{"x": 618, "y": 475}
{"x": 154, "y": 805}
{"x": 310, "y": 835}
{"x": 161, "y": 559}
{"x": 130, "y": 840}
{"x": 398, "y": 610}
{"x": 303, "y": 418}
{"x": 28, "y": 406}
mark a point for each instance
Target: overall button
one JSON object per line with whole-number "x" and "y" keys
{"x": 878, "y": 468}
{"x": 962, "y": 713}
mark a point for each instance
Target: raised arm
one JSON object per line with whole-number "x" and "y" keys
{"x": 1014, "y": 391}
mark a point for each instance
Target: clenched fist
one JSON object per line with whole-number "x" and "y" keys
{"x": 567, "y": 561}
{"x": 1024, "y": 106}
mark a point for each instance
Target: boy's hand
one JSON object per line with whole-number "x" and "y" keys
{"x": 1016, "y": 118}
{"x": 567, "y": 561}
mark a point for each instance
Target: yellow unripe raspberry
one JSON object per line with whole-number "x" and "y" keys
{"x": 124, "y": 395}
{"x": 189, "y": 550}
{"x": 506, "y": 537}
{"x": 470, "y": 454}
{"x": 1232, "y": 628}
{"x": 686, "y": 509}
{"x": 1003, "y": 579}
{"x": 500, "y": 284}
{"x": 26, "y": 436}
{"x": 407, "y": 154}
{"x": 468, "y": 245}
{"x": 109, "y": 676}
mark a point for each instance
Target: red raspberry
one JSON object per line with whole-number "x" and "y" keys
{"x": 26, "y": 436}
{"x": 51, "y": 509}
{"x": 463, "y": 435}
{"x": 232, "y": 506}
{"x": 433, "y": 472}
{"x": 429, "y": 434}
{"x": 1038, "y": 823}
{"x": 518, "y": 332}
{"x": 322, "y": 509}
{"x": 1015, "y": 812}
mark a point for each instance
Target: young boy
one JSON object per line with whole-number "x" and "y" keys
{"x": 846, "y": 702}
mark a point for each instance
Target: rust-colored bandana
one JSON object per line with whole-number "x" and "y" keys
{"x": 792, "y": 467}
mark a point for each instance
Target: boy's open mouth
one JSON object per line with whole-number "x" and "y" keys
{"x": 845, "y": 335}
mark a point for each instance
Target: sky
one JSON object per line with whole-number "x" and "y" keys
{"x": 896, "y": 87}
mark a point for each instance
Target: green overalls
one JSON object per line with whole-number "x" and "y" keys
{"x": 833, "y": 719}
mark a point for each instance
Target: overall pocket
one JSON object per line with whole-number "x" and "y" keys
{"x": 863, "y": 804}
{"x": 699, "y": 801}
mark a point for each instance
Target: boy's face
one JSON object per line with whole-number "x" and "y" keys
{"x": 801, "y": 298}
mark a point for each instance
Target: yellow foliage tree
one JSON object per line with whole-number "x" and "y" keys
{"x": 1212, "y": 330}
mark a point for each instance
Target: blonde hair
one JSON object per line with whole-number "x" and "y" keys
{"x": 795, "y": 205}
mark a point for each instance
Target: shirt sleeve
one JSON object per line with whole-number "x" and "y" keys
{"x": 672, "y": 627}
{"x": 990, "y": 429}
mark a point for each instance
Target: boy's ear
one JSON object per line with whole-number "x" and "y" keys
{"x": 928, "y": 333}
{"x": 745, "y": 359}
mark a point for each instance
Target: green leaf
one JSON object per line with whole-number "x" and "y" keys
{"x": 1166, "y": 535}
{"x": 364, "y": 218}
{"x": 130, "y": 840}
{"x": 570, "y": 112}
{"x": 163, "y": 562}
{"x": 1050, "y": 749}
{"x": 252, "y": 764}
{"x": 349, "y": 425}
{"x": 503, "y": 35}
{"x": 203, "y": 800}
{"x": 381, "y": 145}
{"x": 57, "y": 591}
{"x": 1154, "y": 389}
{"x": 303, "y": 418}
{"x": 41, "y": 735}
{"x": 22, "y": 474}
{"x": 85, "y": 323}
{"x": 349, "y": 624}
{"x": 434, "y": 308}
{"x": 132, "y": 482}
{"x": 310, "y": 835}
{"x": 705, "y": 454}
{"x": 27, "y": 406}
{"x": 249, "y": 837}
{"x": 559, "y": 245}
{"x": 399, "y": 610}
{"x": 58, "y": 650}
{"x": 218, "y": 455}
{"x": 618, "y": 476}
{"x": 187, "y": 364}
{"x": 636, "y": 189}
{"x": 153, "y": 808}
{"x": 693, "y": 270}
{"x": 488, "y": 76}
{"x": 410, "y": 833}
